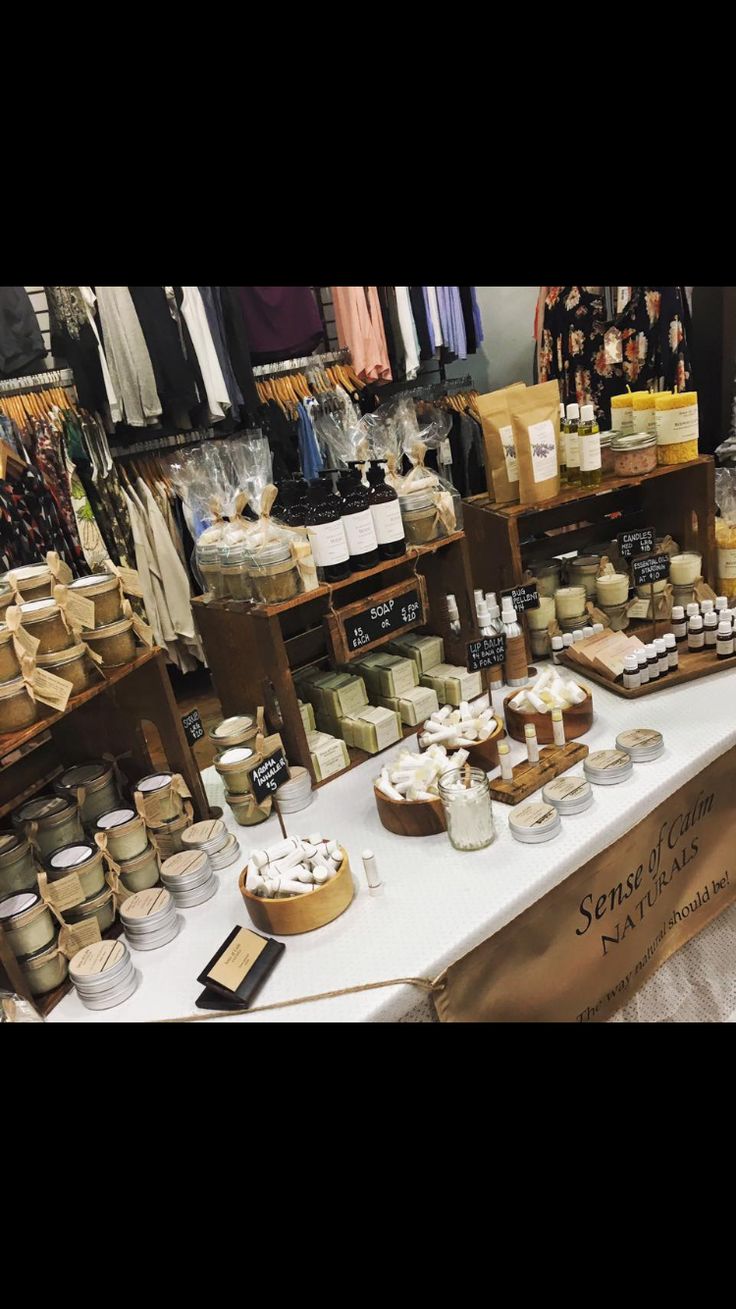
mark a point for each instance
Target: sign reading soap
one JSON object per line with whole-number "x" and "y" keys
{"x": 381, "y": 619}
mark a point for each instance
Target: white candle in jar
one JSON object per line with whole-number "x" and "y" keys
{"x": 612, "y": 588}
{"x": 570, "y": 601}
{"x": 685, "y": 569}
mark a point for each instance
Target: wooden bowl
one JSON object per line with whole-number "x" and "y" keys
{"x": 301, "y": 913}
{"x": 482, "y": 754}
{"x": 410, "y": 817}
{"x": 577, "y": 720}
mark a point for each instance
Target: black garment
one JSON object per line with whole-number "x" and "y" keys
{"x": 201, "y": 417}
{"x": 174, "y": 377}
{"x": 419, "y": 314}
{"x": 73, "y": 339}
{"x": 392, "y": 330}
{"x": 236, "y": 340}
{"x": 282, "y": 438}
{"x": 466, "y": 303}
{"x": 21, "y": 344}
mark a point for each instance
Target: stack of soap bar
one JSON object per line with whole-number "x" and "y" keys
{"x": 413, "y": 706}
{"x": 328, "y": 755}
{"x": 452, "y": 683}
{"x": 388, "y": 674}
{"x": 310, "y": 683}
{"x": 307, "y": 713}
{"x": 344, "y": 694}
{"x": 373, "y": 729}
{"x": 426, "y": 651}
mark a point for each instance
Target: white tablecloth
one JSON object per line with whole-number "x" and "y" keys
{"x": 438, "y": 904}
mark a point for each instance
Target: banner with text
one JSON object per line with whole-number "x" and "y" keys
{"x": 581, "y": 952}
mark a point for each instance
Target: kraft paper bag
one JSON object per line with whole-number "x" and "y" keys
{"x": 498, "y": 440}
{"x": 535, "y": 420}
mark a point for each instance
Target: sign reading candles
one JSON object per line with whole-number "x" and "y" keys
{"x": 639, "y": 541}
{"x": 524, "y": 597}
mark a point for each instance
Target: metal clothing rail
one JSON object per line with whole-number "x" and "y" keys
{"x": 37, "y": 381}
{"x": 178, "y": 440}
{"x": 297, "y": 365}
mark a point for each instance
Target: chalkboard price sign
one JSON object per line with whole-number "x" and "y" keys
{"x": 387, "y": 614}
{"x": 639, "y": 541}
{"x": 488, "y": 652}
{"x": 651, "y": 569}
{"x": 267, "y": 777}
{"x": 524, "y": 597}
{"x": 192, "y": 724}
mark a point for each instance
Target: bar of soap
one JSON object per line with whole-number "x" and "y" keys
{"x": 307, "y": 713}
{"x": 435, "y": 680}
{"x": 426, "y": 651}
{"x": 345, "y": 694}
{"x": 414, "y": 706}
{"x": 329, "y": 757}
{"x": 310, "y": 685}
{"x": 376, "y": 728}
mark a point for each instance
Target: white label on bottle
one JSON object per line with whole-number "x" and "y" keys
{"x": 387, "y": 522}
{"x": 590, "y": 452}
{"x": 573, "y": 449}
{"x": 329, "y": 543}
{"x": 360, "y": 533}
{"x": 675, "y": 425}
{"x": 544, "y": 450}
{"x": 509, "y": 449}
{"x": 727, "y": 563}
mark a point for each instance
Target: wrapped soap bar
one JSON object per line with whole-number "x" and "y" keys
{"x": 307, "y": 713}
{"x": 328, "y": 755}
{"x": 434, "y": 678}
{"x": 376, "y": 728}
{"x": 414, "y": 706}
{"x": 396, "y": 674}
{"x": 344, "y": 694}
{"x": 460, "y": 684}
{"x": 310, "y": 684}
{"x": 426, "y": 651}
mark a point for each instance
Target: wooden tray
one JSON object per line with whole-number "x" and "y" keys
{"x": 411, "y": 817}
{"x": 693, "y": 664}
{"x": 528, "y": 778}
{"x": 301, "y": 913}
{"x": 482, "y": 754}
{"x": 577, "y": 720}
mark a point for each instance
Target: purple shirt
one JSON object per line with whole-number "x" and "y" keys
{"x": 280, "y": 321}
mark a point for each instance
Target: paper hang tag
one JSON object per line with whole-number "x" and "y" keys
{"x": 638, "y": 609}
{"x": 73, "y": 937}
{"x": 64, "y": 894}
{"x": 131, "y": 582}
{"x": 50, "y": 689}
{"x": 703, "y": 591}
{"x": 120, "y": 895}
{"x": 101, "y": 841}
{"x": 149, "y": 807}
{"x": 180, "y": 787}
{"x": 61, "y": 571}
{"x": 23, "y": 642}
{"x": 94, "y": 656}
{"x": 142, "y": 630}
{"x": 79, "y": 612}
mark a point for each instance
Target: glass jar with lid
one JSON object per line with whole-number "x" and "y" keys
{"x": 237, "y": 567}
{"x": 18, "y": 709}
{"x": 73, "y": 665}
{"x": 583, "y": 571}
{"x": 466, "y": 799}
{"x": 549, "y": 576}
{"x": 633, "y": 456}
{"x": 9, "y": 666}
{"x": 33, "y": 581}
{"x": 18, "y": 870}
{"x": 421, "y": 520}
{"x": 97, "y": 780}
{"x": 44, "y": 620}
{"x": 608, "y": 464}
{"x": 275, "y": 573}
{"x": 44, "y": 970}
{"x": 105, "y": 594}
{"x": 51, "y": 820}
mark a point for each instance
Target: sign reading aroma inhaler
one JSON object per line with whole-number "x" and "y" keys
{"x": 582, "y": 951}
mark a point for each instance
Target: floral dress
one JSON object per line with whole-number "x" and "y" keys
{"x": 644, "y": 347}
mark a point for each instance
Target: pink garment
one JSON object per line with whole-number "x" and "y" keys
{"x": 360, "y": 328}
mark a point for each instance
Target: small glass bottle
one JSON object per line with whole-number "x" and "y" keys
{"x": 558, "y": 646}
{"x": 591, "y": 472}
{"x": 652, "y": 661}
{"x": 632, "y": 677}
{"x": 386, "y": 512}
{"x": 673, "y": 657}
{"x": 661, "y": 648}
{"x": 724, "y": 642}
{"x": 710, "y": 626}
{"x": 326, "y": 533}
{"x": 567, "y": 640}
{"x": 692, "y": 610}
{"x": 466, "y": 799}
{"x": 572, "y": 445}
{"x": 643, "y": 662}
{"x": 563, "y": 447}
{"x": 357, "y": 520}
{"x": 679, "y": 623}
{"x": 721, "y": 603}
{"x": 706, "y": 607}
{"x": 695, "y": 633}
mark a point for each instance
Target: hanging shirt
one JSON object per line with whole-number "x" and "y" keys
{"x": 434, "y": 314}
{"x": 408, "y": 331}
{"x": 309, "y": 452}
{"x": 281, "y": 322}
{"x": 90, "y": 300}
{"x": 213, "y": 310}
{"x": 21, "y": 345}
{"x": 195, "y": 317}
{"x": 360, "y": 329}
{"x": 174, "y": 379}
{"x": 127, "y": 356}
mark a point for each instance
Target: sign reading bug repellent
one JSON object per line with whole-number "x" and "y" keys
{"x": 524, "y": 597}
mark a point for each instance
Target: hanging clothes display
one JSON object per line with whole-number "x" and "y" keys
{"x": 127, "y": 356}
{"x": 175, "y": 382}
{"x": 408, "y": 331}
{"x": 593, "y": 357}
{"x": 73, "y": 337}
{"x": 213, "y": 309}
{"x": 195, "y": 316}
{"x": 21, "y": 344}
{"x": 280, "y": 321}
{"x": 238, "y": 346}
{"x": 360, "y": 329}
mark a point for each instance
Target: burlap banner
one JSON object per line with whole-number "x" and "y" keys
{"x": 583, "y": 950}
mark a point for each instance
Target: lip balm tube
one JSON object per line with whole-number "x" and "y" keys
{"x": 558, "y": 727}
{"x": 532, "y": 745}
{"x": 371, "y": 871}
{"x": 504, "y": 759}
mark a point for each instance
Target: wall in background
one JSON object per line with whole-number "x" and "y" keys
{"x": 508, "y": 350}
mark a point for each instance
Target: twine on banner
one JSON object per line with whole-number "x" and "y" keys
{"x": 423, "y": 983}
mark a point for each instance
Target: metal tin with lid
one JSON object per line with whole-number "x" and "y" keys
{"x": 641, "y": 744}
{"x": 227, "y": 856}
{"x": 149, "y": 919}
{"x": 570, "y": 794}
{"x": 535, "y": 822}
{"x": 18, "y": 870}
{"x": 608, "y": 767}
{"x": 97, "y": 779}
{"x": 103, "y": 974}
{"x": 210, "y": 836}
{"x": 27, "y": 922}
{"x": 103, "y": 590}
{"x": 125, "y": 831}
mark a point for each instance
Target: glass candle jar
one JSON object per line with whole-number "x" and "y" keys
{"x": 44, "y": 620}
{"x": 420, "y": 517}
{"x": 246, "y": 810}
{"x": 45, "y": 970}
{"x": 18, "y": 870}
{"x": 616, "y": 615}
{"x": 549, "y": 577}
{"x": 275, "y": 573}
{"x": 468, "y": 809}
{"x": 582, "y": 571}
{"x": 167, "y": 836}
{"x": 612, "y": 589}
{"x": 539, "y": 641}
{"x": 27, "y": 922}
{"x": 539, "y": 619}
{"x": 234, "y": 766}
{"x": 52, "y": 821}
{"x": 608, "y": 466}
{"x": 645, "y": 592}
{"x": 100, "y": 906}
{"x": 17, "y": 709}
{"x": 73, "y": 665}
{"x": 234, "y": 731}
{"x": 141, "y": 872}
{"x": 9, "y": 666}
{"x": 570, "y": 602}
{"x": 115, "y": 644}
{"x": 161, "y": 800}
{"x": 634, "y": 455}
{"x": 126, "y": 833}
{"x": 97, "y": 780}
{"x": 82, "y": 858}
{"x": 105, "y": 594}
{"x": 685, "y": 569}
{"x": 208, "y": 565}
{"x": 33, "y": 582}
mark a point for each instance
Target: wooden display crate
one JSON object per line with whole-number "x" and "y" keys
{"x": 114, "y": 717}
{"x": 253, "y": 651}
{"x": 678, "y": 500}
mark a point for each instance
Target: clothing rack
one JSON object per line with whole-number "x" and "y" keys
{"x": 37, "y": 381}
{"x": 178, "y": 440}
{"x": 298, "y": 365}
